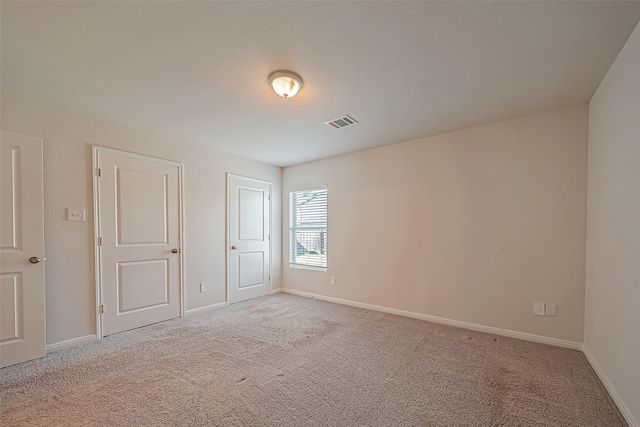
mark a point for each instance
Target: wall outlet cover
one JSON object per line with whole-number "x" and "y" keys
{"x": 332, "y": 280}
{"x": 538, "y": 308}
{"x": 551, "y": 309}
{"x": 203, "y": 287}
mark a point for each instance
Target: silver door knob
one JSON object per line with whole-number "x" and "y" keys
{"x": 175, "y": 250}
{"x": 234, "y": 247}
{"x": 34, "y": 259}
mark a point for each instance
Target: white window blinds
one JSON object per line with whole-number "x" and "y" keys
{"x": 308, "y": 228}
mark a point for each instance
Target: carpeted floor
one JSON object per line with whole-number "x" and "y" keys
{"x": 284, "y": 360}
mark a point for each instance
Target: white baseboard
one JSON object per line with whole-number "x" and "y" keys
{"x": 70, "y": 343}
{"x": 205, "y": 309}
{"x": 276, "y": 291}
{"x": 465, "y": 325}
{"x": 613, "y": 392}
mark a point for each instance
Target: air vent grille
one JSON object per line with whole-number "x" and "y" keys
{"x": 342, "y": 122}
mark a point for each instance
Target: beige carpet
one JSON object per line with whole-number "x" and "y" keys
{"x": 290, "y": 361}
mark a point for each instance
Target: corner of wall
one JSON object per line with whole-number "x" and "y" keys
{"x": 610, "y": 387}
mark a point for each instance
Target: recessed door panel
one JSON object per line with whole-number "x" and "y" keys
{"x": 250, "y": 269}
{"x": 142, "y": 285}
{"x": 11, "y": 303}
{"x": 141, "y": 207}
{"x": 250, "y": 214}
{"x": 22, "y": 317}
{"x": 10, "y": 203}
{"x": 249, "y": 246}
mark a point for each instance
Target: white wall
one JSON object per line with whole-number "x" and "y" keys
{"x": 612, "y": 322}
{"x": 68, "y": 138}
{"x": 472, "y": 226}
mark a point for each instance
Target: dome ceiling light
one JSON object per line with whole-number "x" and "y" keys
{"x": 285, "y": 83}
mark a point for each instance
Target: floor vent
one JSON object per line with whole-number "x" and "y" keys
{"x": 341, "y": 122}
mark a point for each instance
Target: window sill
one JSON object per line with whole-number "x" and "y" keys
{"x": 307, "y": 267}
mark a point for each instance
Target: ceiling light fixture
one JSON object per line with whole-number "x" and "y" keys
{"x": 285, "y": 83}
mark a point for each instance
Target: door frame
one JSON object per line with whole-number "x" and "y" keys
{"x": 227, "y": 231}
{"x": 96, "y": 150}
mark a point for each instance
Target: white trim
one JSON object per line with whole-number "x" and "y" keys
{"x": 206, "y": 308}
{"x": 183, "y": 220}
{"x": 307, "y": 267}
{"x": 70, "y": 343}
{"x": 465, "y": 325}
{"x": 246, "y": 178}
{"x": 227, "y": 246}
{"x": 96, "y": 234}
{"x": 613, "y": 392}
{"x": 310, "y": 188}
{"x": 135, "y": 156}
{"x": 276, "y": 291}
{"x": 96, "y": 150}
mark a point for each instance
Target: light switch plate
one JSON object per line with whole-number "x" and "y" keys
{"x": 538, "y": 308}
{"x": 75, "y": 215}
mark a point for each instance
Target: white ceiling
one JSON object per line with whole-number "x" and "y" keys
{"x": 198, "y": 71}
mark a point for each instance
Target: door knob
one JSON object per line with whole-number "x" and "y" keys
{"x": 175, "y": 250}
{"x": 234, "y": 247}
{"x": 34, "y": 259}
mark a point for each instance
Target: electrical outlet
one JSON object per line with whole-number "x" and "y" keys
{"x": 332, "y": 280}
{"x": 538, "y": 308}
{"x": 203, "y": 287}
{"x": 550, "y": 309}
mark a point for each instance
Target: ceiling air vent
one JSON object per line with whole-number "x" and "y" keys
{"x": 341, "y": 122}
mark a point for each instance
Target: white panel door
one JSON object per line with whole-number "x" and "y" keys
{"x": 22, "y": 317}
{"x": 249, "y": 235}
{"x": 139, "y": 226}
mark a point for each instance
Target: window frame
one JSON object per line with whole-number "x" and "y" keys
{"x": 292, "y": 228}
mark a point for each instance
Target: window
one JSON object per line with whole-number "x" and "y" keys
{"x": 308, "y": 228}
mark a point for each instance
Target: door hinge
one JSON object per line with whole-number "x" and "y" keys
{"x": 101, "y": 309}
{"x": 269, "y": 196}
{"x": 269, "y": 277}
{"x": 269, "y": 236}
{"x": 99, "y": 172}
{"x": 100, "y": 241}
